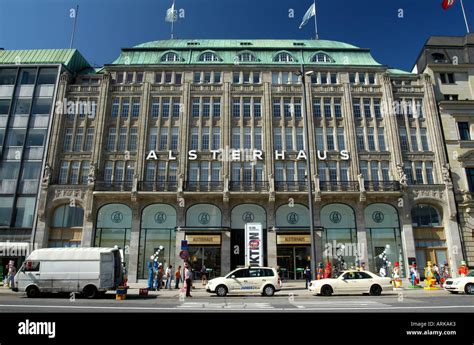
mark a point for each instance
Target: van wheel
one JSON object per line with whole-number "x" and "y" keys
{"x": 326, "y": 290}
{"x": 221, "y": 291}
{"x": 469, "y": 289}
{"x": 32, "y": 292}
{"x": 268, "y": 290}
{"x": 90, "y": 291}
{"x": 375, "y": 290}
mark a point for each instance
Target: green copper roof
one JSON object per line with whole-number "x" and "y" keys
{"x": 69, "y": 58}
{"x": 302, "y": 51}
{"x": 395, "y": 71}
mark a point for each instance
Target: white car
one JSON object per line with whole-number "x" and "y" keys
{"x": 264, "y": 280}
{"x": 349, "y": 282}
{"x": 461, "y": 284}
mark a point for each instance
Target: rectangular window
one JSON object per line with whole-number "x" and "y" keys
{"x": 464, "y": 132}
{"x": 75, "y": 172}
{"x": 153, "y": 139}
{"x": 130, "y": 171}
{"x": 176, "y": 107}
{"x": 352, "y": 78}
{"x": 216, "y": 171}
{"x": 246, "y": 107}
{"x": 197, "y": 77}
{"x": 132, "y": 142}
{"x": 470, "y": 178}
{"x": 374, "y": 170}
{"x": 236, "y": 138}
{"x": 256, "y": 77}
{"x": 322, "y": 171}
{"x": 150, "y": 171}
{"x": 424, "y": 139}
{"x": 360, "y": 139}
{"x": 419, "y": 172}
{"x": 173, "y": 172}
{"x": 217, "y": 77}
{"x": 246, "y": 77}
{"x": 330, "y": 138}
{"x": 108, "y": 171}
{"x": 79, "y": 138}
{"x": 299, "y": 139}
{"x": 161, "y": 172}
{"x": 367, "y": 111}
{"x": 166, "y": 108}
{"x": 174, "y": 138}
{"x": 429, "y": 172}
{"x": 371, "y": 78}
{"x": 206, "y": 107}
{"x": 364, "y": 169}
{"x": 385, "y": 171}
{"x": 257, "y": 107}
{"x": 297, "y": 107}
{"x": 276, "y": 108}
{"x": 317, "y": 107}
{"x": 327, "y": 107}
{"x": 111, "y": 139}
{"x": 287, "y": 107}
{"x": 340, "y": 139}
{"x": 247, "y": 138}
{"x": 277, "y": 138}
{"x": 194, "y": 138}
{"x": 378, "y": 113}
{"x": 195, "y": 107}
{"x": 204, "y": 178}
{"x": 122, "y": 139}
{"x": 168, "y": 77}
{"x": 163, "y": 139}
{"x": 290, "y": 171}
{"x": 356, "y": 107}
{"x": 381, "y": 139}
{"x": 414, "y": 140}
{"x": 403, "y": 139}
{"x": 193, "y": 171}
{"x": 236, "y": 77}
{"x": 67, "y": 139}
{"x": 332, "y": 171}
{"x": 289, "y": 139}
{"x": 337, "y": 107}
{"x": 89, "y": 139}
{"x": 371, "y": 139}
{"x": 139, "y": 77}
{"x": 216, "y": 107}
{"x": 205, "y": 138}
{"x": 207, "y": 77}
{"x": 319, "y": 139}
{"x": 333, "y": 78}
{"x": 324, "y": 78}
{"x": 84, "y": 172}
{"x": 63, "y": 172}
{"x": 125, "y": 107}
{"x": 216, "y": 138}
{"x": 158, "y": 78}
{"x": 236, "y": 107}
{"x": 129, "y": 78}
{"x": 258, "y": 138}
{"x": 155, "y": 107}
{"x": 235, "y": 172}
{"x": 136, "y": 107}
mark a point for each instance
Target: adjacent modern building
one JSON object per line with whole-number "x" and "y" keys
{"x": 28, "y": 86}
{"x": 192, "y": 139}
{"x": 449, "y": 61}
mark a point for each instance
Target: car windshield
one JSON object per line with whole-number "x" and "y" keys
{"x": 337, "y": 275}
{"x": 471, "y": 274}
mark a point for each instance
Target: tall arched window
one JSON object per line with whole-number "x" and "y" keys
{"x": 321, "y": 57}
{"x": 425, "y": 215}
{"x": 66, "y": 228}
{"x": 208, "y": 57}
{"x": 283, "y": 57}
{"x": 170, "y": 57}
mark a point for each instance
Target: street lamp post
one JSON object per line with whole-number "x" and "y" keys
{"x": 309, "y": 179}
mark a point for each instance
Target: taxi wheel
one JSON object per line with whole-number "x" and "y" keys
{"x": 221, "y": 291}
{"x": 375, "y": 290}
{"x": 326, "y": 290}
{"x": 469, "y": 289}
{"x": 268, "y": 290}
{"x": 32, "y": 292}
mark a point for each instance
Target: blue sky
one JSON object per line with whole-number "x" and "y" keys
{"x": 105, "y": 26}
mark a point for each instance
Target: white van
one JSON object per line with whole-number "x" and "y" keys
{"x": 90, "y": 271}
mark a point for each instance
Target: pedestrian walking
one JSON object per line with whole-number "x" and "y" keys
{"x": 169, "y": 276}
{"x": 150, "y": 274}
{"x": 436, "y": 273}
{"x": 177, "y": 277}
{"x": 160, "y": 276}
{"x": 187, "y": 279}
{"x": 203, "y": 275}
{"x": 307, "y": 276}
{"x": 11, "y": 274}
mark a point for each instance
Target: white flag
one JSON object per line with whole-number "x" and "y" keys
{"x": 309, "y": 13}
{"x": 170, "y": 15}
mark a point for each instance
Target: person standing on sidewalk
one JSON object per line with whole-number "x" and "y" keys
{"x": 160, "y": 277}
{"x": 177, "y": 277}
{"x": 307, "y": 276}
{"x": 11, "y": 274}
{"x": 203, "y": 275}
{"x": 169, "y": 276}
{"x": 188, "y": 281}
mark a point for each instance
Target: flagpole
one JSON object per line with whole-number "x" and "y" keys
{"x": 315, "y": 21}
{"x": 465, "y": 18}
{"x": 74, "y": 27}
{"x": 172, "y": 24}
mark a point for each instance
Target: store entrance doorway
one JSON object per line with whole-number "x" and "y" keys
{"x": 293, "y": 260}
{"x": 207, "y": 256}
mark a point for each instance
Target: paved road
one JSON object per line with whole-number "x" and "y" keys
{"x": 284, "y": 301}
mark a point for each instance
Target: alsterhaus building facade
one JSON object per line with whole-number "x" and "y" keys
{"x": 193, "y": 139}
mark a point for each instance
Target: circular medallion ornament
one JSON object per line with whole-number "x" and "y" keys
{"x": 378, "y": 217}
{"x": 204, "y": 218}
{"x": 292, "y": 218}
{"x": 335, "y": 217}
{"x": 248, "y": 217}
{"x": 116, "y": 217}
{"x": 160, "y": 217}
